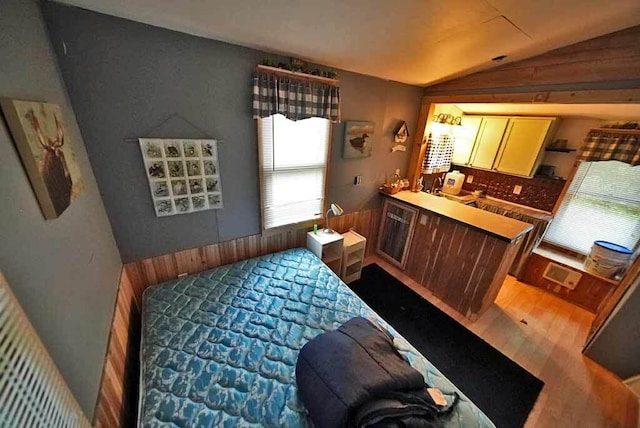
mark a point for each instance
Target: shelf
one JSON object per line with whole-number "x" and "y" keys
{"x": 560, "y": 150}
{"x": 330, "y": 257}
{"x": 356, "y": 256}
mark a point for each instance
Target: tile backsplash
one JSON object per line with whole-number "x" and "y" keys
{"x": 537, "y": 192}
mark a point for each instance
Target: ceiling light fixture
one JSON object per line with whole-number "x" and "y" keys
{"x": 447, "y": 119}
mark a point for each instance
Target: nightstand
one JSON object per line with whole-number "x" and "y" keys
{"x": 353, "y": 248}
{"x": 328, "y": 247}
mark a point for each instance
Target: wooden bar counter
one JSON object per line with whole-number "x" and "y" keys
{"x": 460, "y": 253}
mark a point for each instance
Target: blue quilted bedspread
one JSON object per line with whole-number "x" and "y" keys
{"x": 220, "y": 347}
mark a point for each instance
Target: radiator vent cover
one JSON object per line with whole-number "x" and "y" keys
{"x": 32, "y": 391}
{"x": 562, "y": 275}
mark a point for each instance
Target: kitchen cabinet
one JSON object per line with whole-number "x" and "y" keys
{"x": 488, "y": 141}
{"x": 522, "y": 145}
{"x": 510, "y": 145}
{"x": 396, "y": 231}
{"x": 464, "y": 139}
{"x": 459, "y": 253}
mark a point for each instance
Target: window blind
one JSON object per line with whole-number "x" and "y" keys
{"x": 294, "y": 159}
{"x": 602, "y": 203}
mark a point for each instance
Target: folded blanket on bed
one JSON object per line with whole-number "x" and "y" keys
{"x": 354, "y": 376}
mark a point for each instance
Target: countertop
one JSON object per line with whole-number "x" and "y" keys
{"x": 502, "y": 227}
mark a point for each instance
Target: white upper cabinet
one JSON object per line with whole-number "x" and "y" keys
{"x": 464, "y": 139}
{"x": 511, "y": 145}
{"x": 522, "y": 144}
{"x": 488, "y": 141}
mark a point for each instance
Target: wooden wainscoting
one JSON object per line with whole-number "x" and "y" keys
{"x": 589, "y": 294}
{"x": 118, "y": 396}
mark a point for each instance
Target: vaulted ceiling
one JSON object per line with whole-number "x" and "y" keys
{"x": 413, "y": 41}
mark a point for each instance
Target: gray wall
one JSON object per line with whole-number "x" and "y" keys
{"x": 126, "y": 78}
{"x": 65, "y": 271}
{"x": 617, "y": 345}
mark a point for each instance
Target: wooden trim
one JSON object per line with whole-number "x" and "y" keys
{"x": 565, "y": 188}
{"x": 618, "y": 131}
{"x": 419, "y": 144}
{"x": 117, "y": 397}
{"x": 592, "y": 96}
{"x": 297, "y": 75}
{"x": 613, "y": 57}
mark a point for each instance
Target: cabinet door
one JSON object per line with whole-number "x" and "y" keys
{"x": 522, "y": 143}
{"x": 488, "y": 141}
{"x": 464, "y": 139}
{"x": 396, "y": 231}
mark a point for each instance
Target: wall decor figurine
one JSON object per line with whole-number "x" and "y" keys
{"x": 359, "y": 138}
{"x": 43, "y": 143}
{"x": 400, "y": 137}
{"x": 183, "y": 175}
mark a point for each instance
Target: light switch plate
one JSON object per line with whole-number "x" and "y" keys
{"x": 517, "y": 189}
{"x": 357, "y": 180}
{"x": 469, "y": 178}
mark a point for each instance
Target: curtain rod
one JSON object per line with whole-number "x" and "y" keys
{"x": 282, "y": 72}
{"x": 618, "y": 130}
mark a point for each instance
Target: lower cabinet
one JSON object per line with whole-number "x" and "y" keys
{"x": 396, "y": 231}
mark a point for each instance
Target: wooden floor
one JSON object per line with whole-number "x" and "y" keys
{"x": 545, "y": 334}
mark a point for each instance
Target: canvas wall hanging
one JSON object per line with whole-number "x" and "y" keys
{"x": 43, "y": 143}
{"x": 358, "y": 139}
{"x": 183, "y": 175}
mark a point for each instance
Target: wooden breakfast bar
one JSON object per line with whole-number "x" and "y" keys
{"x": 460, "y": 253}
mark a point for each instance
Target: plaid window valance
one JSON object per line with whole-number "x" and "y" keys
{"x": 611, "y": 145}
{"x": 294, "y": 98}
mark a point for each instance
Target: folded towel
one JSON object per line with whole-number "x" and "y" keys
{"x": 355, "y": 377}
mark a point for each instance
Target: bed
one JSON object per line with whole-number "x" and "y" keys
{"x": 219, "y": 348}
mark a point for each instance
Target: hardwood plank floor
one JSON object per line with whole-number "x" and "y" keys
{"x": 545, "y": 335}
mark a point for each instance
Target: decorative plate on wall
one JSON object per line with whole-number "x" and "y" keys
{"x": 183, "y": 175}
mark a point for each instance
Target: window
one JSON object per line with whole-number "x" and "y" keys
{"x": 293, "y": 158}
{"x": 602, "y": 203}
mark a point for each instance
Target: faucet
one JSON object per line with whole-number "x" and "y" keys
{"x": 434, "y": 185}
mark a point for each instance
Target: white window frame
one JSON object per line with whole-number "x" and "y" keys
{"x": 296, "y": 225}
{"x": 565, "y": 197}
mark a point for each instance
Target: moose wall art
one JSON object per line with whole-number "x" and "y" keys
{"x": 43, "y": 143}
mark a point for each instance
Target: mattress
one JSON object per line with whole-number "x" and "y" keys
{"x": 219, "y": 348}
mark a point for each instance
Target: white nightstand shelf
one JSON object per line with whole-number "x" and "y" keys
{"x": 328, "y": 247}
{"x": 353, "y": 250}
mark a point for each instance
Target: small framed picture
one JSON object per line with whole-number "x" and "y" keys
{"x": 173, "y": 149}
{"x": 179, "y": 187}
{"x": 183, "y": 205}
{"x": 164, "y": 207}
{"x": 359, "y": 138}
{"x": 156, "y": 170}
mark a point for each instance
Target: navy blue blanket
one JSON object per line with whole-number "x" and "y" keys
{"x": 354, "y": 374}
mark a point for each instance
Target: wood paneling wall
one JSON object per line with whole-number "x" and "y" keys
{"x": 588, "y": 294}
{"x": 609, "y": 58}
{"x": 463, "y": 267}
{"x": 117, "y": 400}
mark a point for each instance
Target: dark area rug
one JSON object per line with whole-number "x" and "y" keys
{"x": 503, "y": 390}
